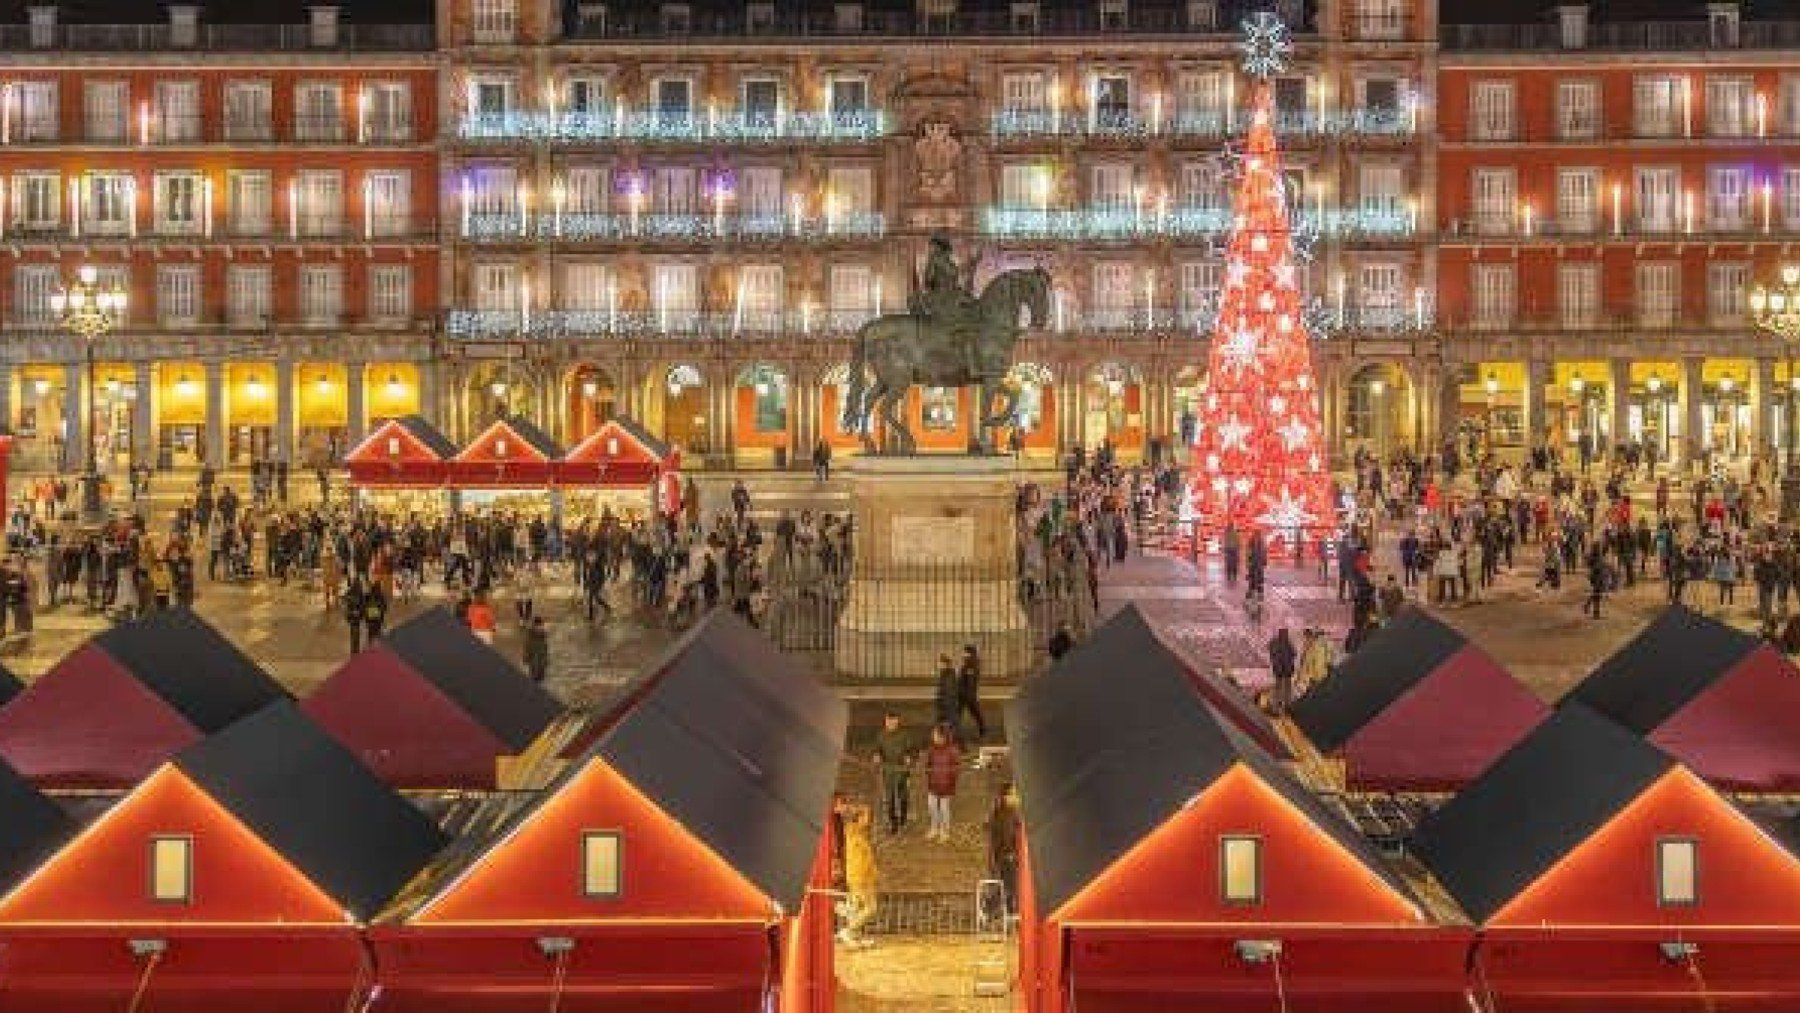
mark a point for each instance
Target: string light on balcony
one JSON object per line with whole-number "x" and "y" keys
{"x": 1776, "y": 309}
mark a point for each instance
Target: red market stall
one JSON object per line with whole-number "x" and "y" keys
{"x": 402, "y": 453}
{"x": 1139, "y": 640}
{"x": 1417, "y": 708}
{"x": 430, "y": 706}
{"x": 1723, "y": 702}
{"x": 235, "y": 878}
{"x": 1169, "y": 863}
{"x": 127, "y": 700}
{"x": 622, "y": 459}
{"x": 512, "y": 453}
{"x": 679, "y": 863}
{"x": 1604, "y": 875}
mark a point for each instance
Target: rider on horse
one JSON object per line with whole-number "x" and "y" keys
{"x": 947, "y": 300}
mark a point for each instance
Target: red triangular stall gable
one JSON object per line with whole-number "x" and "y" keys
{"x": 502, "y": 457}
{"x": 615, "y": 456}
{"x": 1610, "y": 879}
{"x": 1445, "y": 730}
{"x": 1172, "y": 875}
{"x": 395, "y": 455}
{"x": 402, "y": 726}
{"x": 102, "y": 876}
{"x": 1739, "y": 733}
{"x": 534, "y": 874}
{"x": 87, "y": 723}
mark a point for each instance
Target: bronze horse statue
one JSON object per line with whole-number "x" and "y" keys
{"x": 896, "y": 351}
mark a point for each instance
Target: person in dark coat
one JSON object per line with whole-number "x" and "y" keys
{"x": 1281, "y": 665}
{"x": 537, "y": 649}
{"x": 354, "y": 596}
{"x": 946, "y": 700}
{"x": 1003, "y": 844}
{"x": 1061, "y": 642}
{"x": 968, "y": 690}
{"x": 374, "y": 611}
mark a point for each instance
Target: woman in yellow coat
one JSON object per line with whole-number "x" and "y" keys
{"x": 860, "y": 876}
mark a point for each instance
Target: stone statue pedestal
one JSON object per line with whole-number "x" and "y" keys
{"x": 935, "y": 567}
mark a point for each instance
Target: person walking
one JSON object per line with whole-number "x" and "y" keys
{"x": 354, "y": 596}
{"x": 968, "y": 690}
{"x": 893, "y": 758}
{"x": 1281, "y": 667}
{"x": 1062, "y": 641}
{"x": 537, "y": 650}
{"x": 861, "y": 877}
{"x": 943, "y": 762}
{"x": 481, "y": 619}
{"x": 1003, "y": 845}
{"x": 374, "y": 611}
{"x": 1231, "y": 547}
{"x": 946, "y": 701}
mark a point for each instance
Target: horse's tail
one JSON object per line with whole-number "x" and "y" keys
{"x": 853, "y": 409}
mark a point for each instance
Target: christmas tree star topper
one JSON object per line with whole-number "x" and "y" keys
{"x": 1266, "y": 45}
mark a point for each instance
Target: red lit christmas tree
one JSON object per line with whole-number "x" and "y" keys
{"x": 1258, "y": 458}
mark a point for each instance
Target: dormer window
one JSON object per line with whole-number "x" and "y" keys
{"x": 1722, "y": 21}
{"x": 1025, "y": 17}
{"x": 1113, "y": 15}
{"x": 1677, "y": 872}
{"x": 759, "y": 18}
{"x": 848, "y": 18}
{"x": 1202, "y": 15}
{"x": 677, "y": 19}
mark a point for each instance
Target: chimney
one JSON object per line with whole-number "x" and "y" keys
{"x": 43, "y": 26}
{"x": 184, "y": 25}
{"x": 1572, "y": 20}
{"x": 323, "y": 24}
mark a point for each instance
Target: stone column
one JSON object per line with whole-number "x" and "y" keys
{"x": 6, "y": 388}
{"x": 355, "y": 376}
{"x": 283, "y": 448}
{"x": 1620, "y": 390}
{"x": 1691, "y": 400}
{"x": 143, "y": 414}
{"x": 1762, "y": 415}
{"x": 429, "y": 405}
{"x": 75, "y": 418}
{"x": 215, "y": 414}
{"x": 1536, "y": 417}
{"x": 803, "y": 411}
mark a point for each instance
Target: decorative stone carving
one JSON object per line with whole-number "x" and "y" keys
{"x": 937, "y": 158}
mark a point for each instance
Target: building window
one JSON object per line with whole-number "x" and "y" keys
{"x": 177, "y": 294}
{"x": 602, "y": 863}
{"x": 1491, "y": 110}
{"x": 1202, "y": 186}
{"x": 1578, "y": 200}
{"x": 247, "y": 295}
{"x": 178, "y": 111}
{"x": 172, "y": 869}
{"x": 179, "y": 199}
{"x": 1380, "y": 19}
{"x": 1111, "y": 188}
{"x": 493, "y": 22}
{"x": 852, "y": 295}
{"x": 390, "y": 293}
{"x": 1493, "y": 295}
{"x": 1658, "y": 293}
{"x": 492, "y": 190}
{"x": 496, "y": 286}
{"x": 38, "y": 110}
{"x": 1200, "y": 97}
{"x": 105, "y": 111}
{"x": 1578, "y": 294}
{"x": 1494, "y": 200}
{"x": 759, "y": 296}
{"x": 318, "y": 112}
{"x": 1659, "y": 105}
{"x": 1023, "y": 93}
{"x": 851, "y": 189}
{"x": 1112, "y": 100}
{"x": 1380, "y": 297}
{"x": 1658, "y": 198}
{"x": 249, "y": 195}
{"x": 1790, "y": 104}
{"x": 1728, "y": 198}
{"x": 759, "y": 195}
{"x": 390, "y": 203}
{"x": 760, "y": 102}
{"x": 387, "y": 111}
{"x": 1730, "y": 106}
{"x": 1727, "y": 292}
{"x": 1240, "y": 870}
{"x": 1113, "y": 293}
{"x": 36, "y": 200}
{"x": 677, "y": 294}
{"x": 321, "y": 194}
{"x": 248, "y": 111}
{"x": 586, "y": 285}
{"x": 848, "y": 95}
{"x": 675, "y": 190}
{"x": 321, "y": 294}
{"x": 492, "y": 96}
{"x": 1677, "y": 872}
{"x": 1200, "y": 284}
{"x": 674, "y": 99}
{"x": 111, "y": 203}
{"x": 586, "y": 189}
{"x": 937, "y": 409}
{"x": 1578, "y": 109}
{"x": 33, "y": 285}
{"x": 1382, "y": 187}
{"x": 1790, "y": 196}
{"x": 769, "y": 397}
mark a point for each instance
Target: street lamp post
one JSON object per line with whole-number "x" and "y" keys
{"x": 90, "y": 312}
{"x": 1493, "y": 389}
{"x": 1776, "y": 309}
{"x": 1727, "y": 403}
{"x": 1378, "y": 424}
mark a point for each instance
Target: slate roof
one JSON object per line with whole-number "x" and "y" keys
{"x": 474, "y": 676}
{"x": 1112, "y": 742}
{"x": 657, "y": 448}
{"x": 192, "y": 667}
{"x": 309, "y": 799}
{"x": 32, "y": 827}
{"x": 1536, "y": 804}
{"x": 1659, "y": 671}
{"x": 427, "y": 434}
{"x": 1397, "y": 658}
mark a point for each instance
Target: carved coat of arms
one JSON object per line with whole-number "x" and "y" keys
{"x": 938, "y": 157}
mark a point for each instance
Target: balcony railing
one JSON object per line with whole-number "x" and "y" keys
{"x": 1035, "y": 123}
{"x": 1762, "y": 222}
{"x": 1609, "y": 321}
{"x": 1120, "y": 224}
{"x": 193, "y": 130}
{"x": 730, "y": 126}
{"x": 217, "y": 38}
{"x": 305, "y": 229}
{"x": 1621, "y": 36}
{"x": 513, "y": 227}
{"x": 510, "y": 325}
{"x": 644, "y": 23}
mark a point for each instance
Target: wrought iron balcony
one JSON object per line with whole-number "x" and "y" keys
{"x": 1112, "y": 224}
{"x": 1038, "y": 123}
{"x": 691, "y": 228}
{"x": 217, "y": 38}
{"x": 1623, "y": 36}
{"x": 727, "y": 126}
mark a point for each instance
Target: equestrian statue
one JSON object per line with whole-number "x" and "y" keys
{"x": 949, "y": 338}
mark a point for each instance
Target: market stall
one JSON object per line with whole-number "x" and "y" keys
{"x": 402, "y": 466}
{"x": 621, "y": 467}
